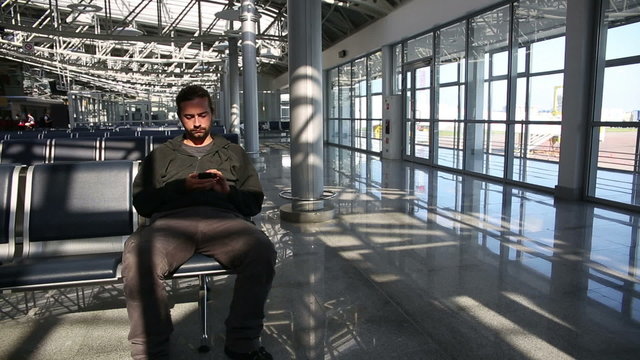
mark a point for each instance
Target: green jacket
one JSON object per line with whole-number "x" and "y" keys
{"x": 160, "y": 183}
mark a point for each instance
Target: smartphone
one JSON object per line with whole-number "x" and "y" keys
{"x": 207, "y": 175}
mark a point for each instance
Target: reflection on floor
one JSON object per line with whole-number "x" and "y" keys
{"x": 417, "y": 264}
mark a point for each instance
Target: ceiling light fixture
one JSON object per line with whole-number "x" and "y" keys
{"x": 82, "y": 19}
{"x": 221, "y": 46}
{"x": 127, "y": 31}
{"x": 84, "y": 8}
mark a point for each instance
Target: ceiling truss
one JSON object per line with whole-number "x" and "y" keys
{"x": 141, "y": 46}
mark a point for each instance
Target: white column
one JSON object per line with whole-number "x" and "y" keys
{"x": 249, "y": 76}
{"x": 305, "y": 82}
{"x": 580, "y": 47}
{"x": 234, "y": 91}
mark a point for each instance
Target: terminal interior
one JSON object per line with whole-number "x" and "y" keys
{"x": 481, "y": 161}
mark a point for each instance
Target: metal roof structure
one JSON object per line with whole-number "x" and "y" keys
{"x": 137, "y": 47}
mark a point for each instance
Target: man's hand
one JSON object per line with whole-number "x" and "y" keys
{"x": 216, "y": 183}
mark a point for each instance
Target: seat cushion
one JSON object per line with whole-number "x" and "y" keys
{"x": 44, "y": 272}
{"x": 199, "y": 264}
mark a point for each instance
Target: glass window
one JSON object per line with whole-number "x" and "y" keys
{"x": 522, "y": 59}
{"x": 450, "y": 62}
{"x": 423, "y": 100}
{"x": 616, "y": 164}
{"x": 419, "y": 48}
{"x": 498, "y": 95}
{"x": 543, "y": 104}
{"x": 536, "y": 154}
{"x": 423, "y": 77}
{"x": 359, "y": 88}
{"x": 500, "y": 62}
{"x": 449, "y": 103}
{"x": 488, "y": 58}
{"x": 620, "y": 96}
{"x": 333, "y": 131}
{"x": 448, "y": 72}
{"x": 375, "y": 85}
{"x": 450, "y": 143}
{"x": 397, "y": 66}
{"x": 547, "y": 55}
{"x": 618, "y": 44}
{"x": 345, "y": 87}
{"x": 333, "y": 93}
{"x": 376, "y": 107}
{"x": 616, "y": 139}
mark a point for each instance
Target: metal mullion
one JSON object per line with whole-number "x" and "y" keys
{"x": 159, "y": 12}
{"x": 434, "y": 96}
{"x": 600, "y": 65}
{"x": 512, "y": 89}
{"x": 630, "y": 60}
{"x": 543, "y": 73}
{"x": 463, "y": 82}
{"x": 107, "y": 14}
{"x": 368, "y": 101}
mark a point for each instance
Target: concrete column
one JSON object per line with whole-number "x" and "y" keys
{"x": 305, "y": 82}
{"x": 234, "y": 84}
{"x": 474, "y": 133}
{"x": 392, "y": 122}
{"x": 274, "y": 105}
{"x": 224, "y": 86}
{"x": 580, "y": 46}
{"x": 387, "y": 70}
{"x": 309, "y": 315}
{"x": 249, "y": 76}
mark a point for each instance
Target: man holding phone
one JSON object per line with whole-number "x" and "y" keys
{"x": 198, "y": 190}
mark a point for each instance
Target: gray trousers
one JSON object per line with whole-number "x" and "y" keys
{"x": 154, "y": 251}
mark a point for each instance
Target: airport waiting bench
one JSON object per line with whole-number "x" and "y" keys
{"x": 74, "y": 222}
{"x": 36, "y": 151}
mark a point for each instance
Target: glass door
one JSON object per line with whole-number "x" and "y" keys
{"x": 418, "y": 117}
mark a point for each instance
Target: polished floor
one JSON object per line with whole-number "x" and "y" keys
{"x": 417, "y": 264}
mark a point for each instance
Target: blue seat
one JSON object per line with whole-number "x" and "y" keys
{"x": 9, "y": 176}
{"x": 274, "y": 125}
{"x": 234, "y": 138}
{"x": 25, "y": 135}
{"x": 160, "y": 139}
{"x": 124, "y": 132}
{"x": 24, "y": 151}
{"x": 55, "y": 134}
{"x": 217, "y": 129}
{"x": 92, "y": 134}
{"x": 68, "y": 149}
{"x": 77, "y": 216}
{"x": 154, "y": 132}
{"x": 125, "y": 148}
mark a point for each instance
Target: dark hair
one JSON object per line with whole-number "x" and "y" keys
{"x": 192, "y": 92}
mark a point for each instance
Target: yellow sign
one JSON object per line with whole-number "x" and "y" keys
{"x": 557, "y": 100}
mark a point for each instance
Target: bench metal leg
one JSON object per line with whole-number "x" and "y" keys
{"x": 203, "y": 295}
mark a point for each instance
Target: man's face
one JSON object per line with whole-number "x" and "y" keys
{"x": 195, "y": 116}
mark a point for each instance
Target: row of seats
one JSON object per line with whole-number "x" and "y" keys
{"x": 35, "y": 151}
{"x": 64, "y": 224}
{"x": 65, "y": 134}
{"x": 54, "y": 134}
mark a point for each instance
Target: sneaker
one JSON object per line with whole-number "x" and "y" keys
{"x": 260, "y": 354}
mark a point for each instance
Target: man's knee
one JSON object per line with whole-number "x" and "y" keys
{"x": 263, "y": 247}
{"x": 141, "y": 260}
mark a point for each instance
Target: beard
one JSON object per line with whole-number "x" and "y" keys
{"x": 198, "y": 134}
